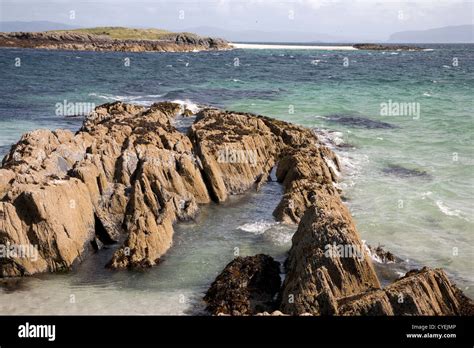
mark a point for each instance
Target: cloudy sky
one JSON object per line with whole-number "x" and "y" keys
{"x": 361, "y": 19}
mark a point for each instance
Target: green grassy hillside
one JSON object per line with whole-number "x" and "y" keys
{"x": 123, "y": 33}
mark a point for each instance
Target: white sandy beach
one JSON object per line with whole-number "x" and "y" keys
{"x": 291, "y": 47}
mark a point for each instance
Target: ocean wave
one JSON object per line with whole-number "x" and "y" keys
{"x": 450, "y": 212}
{"x": 188, "y": 104}
{"x": 351, "y": 162}
{"x": 124, "y": 98}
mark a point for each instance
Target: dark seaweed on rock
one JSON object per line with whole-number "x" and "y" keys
{"x": 246, "y": 286}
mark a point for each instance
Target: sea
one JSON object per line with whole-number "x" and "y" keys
{"x": 400, "y": 121}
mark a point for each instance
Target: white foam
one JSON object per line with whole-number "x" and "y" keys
{"x": 257, "y": 227}
{"x": 372, "y": 255}
{"x": 188, "y": 104}
{"x": 124, "y": 98}
{"x": 426, "y": 194}
{"x": 291, "y": 47}
{"x": 448, "y": 211}
{"x": 400, "y": 274}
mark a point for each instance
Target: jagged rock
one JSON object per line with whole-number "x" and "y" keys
{"x": 329, "y": 273}
{"x": 237, "y": 151}
{"x": 119, "y": 149}
{"x": 326, "y": 261}
{"x": 142, "y": 174}
{"x": 424, "y": 292}
{"x": 246, "y": 286}
{"x": 51, "y": 222}
{"x": 181, "y": 42}
{"x": 305, "y": 174}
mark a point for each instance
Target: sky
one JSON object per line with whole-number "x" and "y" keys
{"x": 361, "y": 19}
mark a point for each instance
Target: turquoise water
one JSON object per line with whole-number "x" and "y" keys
{"x": 408, "y": 179}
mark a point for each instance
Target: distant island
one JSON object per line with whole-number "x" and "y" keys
{"x": 113, "y": 39}
{"x": 451, "y": 34}
{"x": 390, "y": 47}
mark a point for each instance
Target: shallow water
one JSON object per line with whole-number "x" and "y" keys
{"x": 177, "y": 285}
{"x": 426, "y": 219}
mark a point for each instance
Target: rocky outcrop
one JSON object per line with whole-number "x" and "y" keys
{"x": 327, "y": 260}
{"x": 138, "y": 175}
{"x": 423, "y": 292}
{"x": 329, "y": 272}
{"x": 391, "y": 47}
{"x": 237, "y": 151}
{"x": 246, "y": 286}
{"x": 181, "y": 42}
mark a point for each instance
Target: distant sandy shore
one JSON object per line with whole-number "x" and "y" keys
{"x": 291, "y": 47}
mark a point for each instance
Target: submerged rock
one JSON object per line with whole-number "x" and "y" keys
{"x": 403, "y": 172}
{"x": 360, "y": 122}
{"x": 246, "y": 286}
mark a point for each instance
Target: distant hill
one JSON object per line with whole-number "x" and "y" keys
{"x": 451, "y": 34}
{"x": 33, "y": 26}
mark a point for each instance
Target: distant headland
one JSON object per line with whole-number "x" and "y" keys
{"x": 113, "y": 39}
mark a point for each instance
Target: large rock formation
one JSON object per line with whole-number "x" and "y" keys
{"x": 424, "y": 292}
{"x": 329, "y": 270}
{"x": 132, "y": 175}
{"x": 327, "y": 260}
{"x": 246, "y": 286}
{"x": 181, "y": 42}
